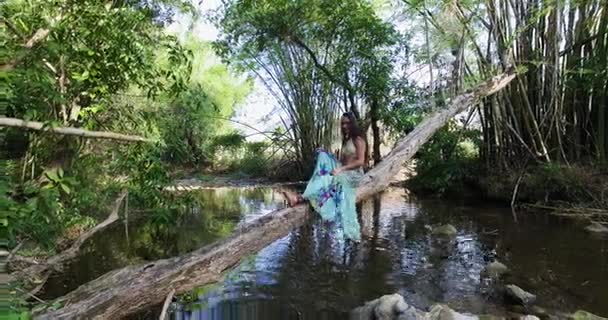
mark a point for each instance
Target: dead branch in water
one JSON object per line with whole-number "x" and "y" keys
{"x": 41, "y": 271}
{"x": 130, "y": 289}
{"x": 573, "y": 211}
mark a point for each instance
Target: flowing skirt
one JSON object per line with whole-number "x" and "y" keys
{"x": 334, "y": 197}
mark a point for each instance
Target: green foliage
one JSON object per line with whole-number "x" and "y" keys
{"x": 148, "y": 174}
{"x": 255, "y": 161}
{"x": 93, "y": 50}
{"x": 447, "y": 161}
{"x": 37, "y": 211}
{"x": 450, "y": 142}
{"x": 403, "y": 114}
{"x": 230, "y": 141}
{"x": 317, "y": 56}
{"x": 558, "y": 182}
{"x": 23, "y": 315}
{"x": 17, "y": 308}
{"x": 551, "y": 184}
{"x": 198, "y": 113}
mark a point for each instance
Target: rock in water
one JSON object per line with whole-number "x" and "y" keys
{"x": 365, "y": 312}
{"x": 446, "y": 230}
{"x": 443, "y": 312}
{"x": 495, "y": 270}
{"x": 597, "y": 227}
{"x": 584, "y": 315}
{"x": 519, "y": 295}
{"x": 388, "y": 307}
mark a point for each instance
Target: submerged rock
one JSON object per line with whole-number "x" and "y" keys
{"x": 495, "y": 270}
{"x": 394, "y": 307}
{"x": 443, "y": 312}
{"x": 519, "y": 295}
{"x": 584, "y": 315}
{"x": 490, "y": 317}
{"x": 446, "y": 230}
{"x": 597, "y": 227}
{"x": 388, "y": 307}
{"x": 365, "y": 312}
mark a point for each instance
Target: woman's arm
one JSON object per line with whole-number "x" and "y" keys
{"x": 358, "y": 161}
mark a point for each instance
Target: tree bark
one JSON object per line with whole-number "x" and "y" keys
{"x": 39, "y": 126}
{"x": 124, "y": 291}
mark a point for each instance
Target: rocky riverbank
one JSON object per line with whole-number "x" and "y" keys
{"x": 394, "y": 307}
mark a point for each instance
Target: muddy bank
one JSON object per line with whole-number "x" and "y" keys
{"x": 213, "y": 182}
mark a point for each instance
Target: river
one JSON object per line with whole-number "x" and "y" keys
{"x": 313, "y": 274}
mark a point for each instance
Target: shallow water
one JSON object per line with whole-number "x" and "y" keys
{"x": 150, "y": 235}
{"x": 311, "y": 274}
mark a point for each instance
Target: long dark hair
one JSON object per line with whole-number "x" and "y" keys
{"x": 354, "y": 131}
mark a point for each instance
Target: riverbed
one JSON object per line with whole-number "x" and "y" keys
{"x": 313, "y": 274}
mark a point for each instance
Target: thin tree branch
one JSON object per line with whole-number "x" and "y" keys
{"x": 71, "y": 131}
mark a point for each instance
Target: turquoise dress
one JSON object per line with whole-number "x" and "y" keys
{"x": 334, "y": 197}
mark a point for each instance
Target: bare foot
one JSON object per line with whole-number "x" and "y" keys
{"x": 292, "y": 198}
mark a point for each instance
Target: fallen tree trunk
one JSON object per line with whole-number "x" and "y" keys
{"x": 39, "y": 272}
{"x": 39, "y": 126}
{"x": 124, "y": 291}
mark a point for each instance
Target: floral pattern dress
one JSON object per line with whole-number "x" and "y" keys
{"x": 334, "y": 197}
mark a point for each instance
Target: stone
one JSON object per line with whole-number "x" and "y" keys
{"x": 443, "y": 312}
{"x": 365, "y": 312}
{"x": 446, "y": 230}
{"x": 596, "y": 227}
{"x": 394, "y": 307}
{"x": 519, "y": 295}
{"x": 495, "y": 270}
{"x": 406, "y": 312}
{"x": 529, "y": 317}
{"x": 584, "y": 315}
{"x": 388, "y": 307}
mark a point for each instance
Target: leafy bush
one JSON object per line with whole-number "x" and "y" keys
{"x": 36, "y": 210}
{"x": 254, "y": 162}
{"x": 447, "y": 160}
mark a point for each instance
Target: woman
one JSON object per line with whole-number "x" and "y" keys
{"x": 332, "y": 188}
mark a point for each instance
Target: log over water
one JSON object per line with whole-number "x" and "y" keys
{"x": 130, "y": 289}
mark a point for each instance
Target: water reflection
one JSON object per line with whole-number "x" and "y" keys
{"x": 192, "y": 221}
{"x": 310, "y": 274}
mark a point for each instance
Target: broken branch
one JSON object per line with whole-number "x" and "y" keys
{"x": 40, "y": 270}
{"x": 39, "y": 126}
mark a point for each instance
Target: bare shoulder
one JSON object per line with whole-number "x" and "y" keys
{"x": 360, "y": 142}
